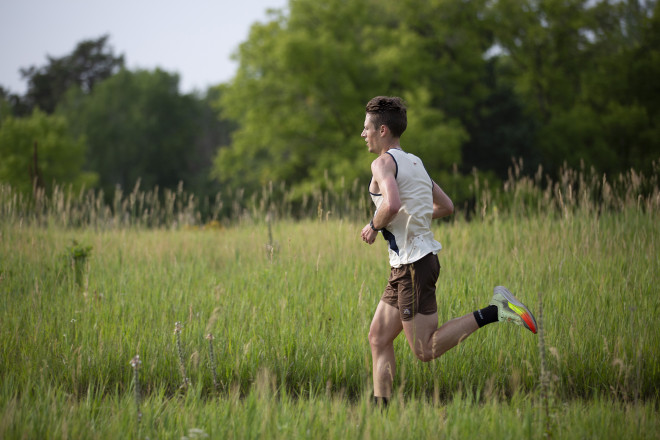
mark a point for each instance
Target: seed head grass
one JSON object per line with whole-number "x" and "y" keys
{"x": 289, "y": 355}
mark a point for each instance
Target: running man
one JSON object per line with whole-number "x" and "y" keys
{"x": 406, "y": 200}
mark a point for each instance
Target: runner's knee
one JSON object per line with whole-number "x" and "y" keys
{"x": 424, "y": 355}
{"x": 376, "y": 339}
{"x": 423, "y": 352}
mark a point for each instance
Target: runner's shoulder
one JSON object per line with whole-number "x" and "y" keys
{"x": 383, "y": 164}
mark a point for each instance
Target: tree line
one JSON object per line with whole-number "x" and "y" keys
{"x": 550, "y": 83}
{"x": 87, "y": 120}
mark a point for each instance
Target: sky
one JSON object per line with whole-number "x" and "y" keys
{"x": 194, "y": 38}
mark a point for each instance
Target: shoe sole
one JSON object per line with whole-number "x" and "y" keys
{"x": 519, "y": 308}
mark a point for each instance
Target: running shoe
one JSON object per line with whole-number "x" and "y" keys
{"x": 510, "y": 309}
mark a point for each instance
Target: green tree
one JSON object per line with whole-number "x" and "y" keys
{"x": 303, "y": 80}
{"x": 550, "y": 81}
{"x": 576, "y": 64}
{"x": 38, "y": 149}
{"x": 91, "y": 62}
{"x": 11, "y": 104}
{"x": 138, "y": 127}
{"x": 5, "y": 105}
{"x": 211, "y": 132}
{"x": 623, "y": 93}
{"x": 501, "y": 128}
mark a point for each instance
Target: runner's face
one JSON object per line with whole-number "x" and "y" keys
{"x": 370, "y": 134}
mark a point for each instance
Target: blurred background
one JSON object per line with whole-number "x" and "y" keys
{"x": 217, "y": 97}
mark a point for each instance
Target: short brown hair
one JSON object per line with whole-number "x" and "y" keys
{"x": 390, "y": 111}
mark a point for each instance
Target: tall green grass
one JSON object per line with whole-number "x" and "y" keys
{"x": 261, "y": 415}
{"x": 289, "y": 303}
{"x": 520, "y": 195}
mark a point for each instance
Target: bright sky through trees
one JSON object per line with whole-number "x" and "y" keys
{"x": 194, "y": 38}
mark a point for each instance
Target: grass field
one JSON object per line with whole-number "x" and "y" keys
{"x": 273, "y": 321}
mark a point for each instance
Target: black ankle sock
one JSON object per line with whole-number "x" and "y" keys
{"x": 486, "y": 315}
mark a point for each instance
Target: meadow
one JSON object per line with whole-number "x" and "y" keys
{"x": 137, "y": 322}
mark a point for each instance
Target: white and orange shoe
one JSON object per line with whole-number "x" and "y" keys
{"x": 510, "y": 309}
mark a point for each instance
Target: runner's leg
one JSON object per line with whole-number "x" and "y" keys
{"x": 428, "y": 341}
{"x": 385, "y": 327}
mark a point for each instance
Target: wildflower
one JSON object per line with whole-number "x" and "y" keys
{"x": 136, "y": 362}
{"x": 182, "y": 367}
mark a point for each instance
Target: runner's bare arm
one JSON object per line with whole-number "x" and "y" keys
{"x": 383, "y": 170}
{"x": 442, "y": 204}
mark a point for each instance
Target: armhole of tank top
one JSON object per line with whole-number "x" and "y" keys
{"x": 369, "y": 186}
{"x": 396, "y": 173}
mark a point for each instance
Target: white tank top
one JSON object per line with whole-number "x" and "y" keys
{"x": 409, "y": 233}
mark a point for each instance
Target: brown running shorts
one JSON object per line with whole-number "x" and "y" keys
{"x": 411, "y": 287}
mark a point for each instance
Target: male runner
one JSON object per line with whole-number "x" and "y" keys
{"x": 406, "y": 200}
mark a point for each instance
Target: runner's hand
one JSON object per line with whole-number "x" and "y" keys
{"x": 368, "y": 235}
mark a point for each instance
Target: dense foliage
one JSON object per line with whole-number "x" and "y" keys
{"x": 38, "y": 151}
{"x": 551, "y": 82}
{"x": 136, "y": 124}
{"x": 90, "y": 63}
{"x": 546, "y": 82}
